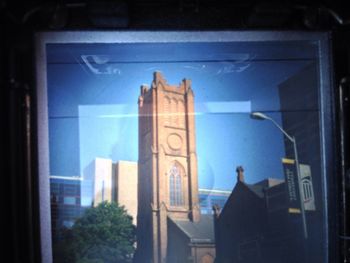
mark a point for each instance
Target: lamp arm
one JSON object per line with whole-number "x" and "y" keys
{"x": 292, "y": 139}
{"x": 283, "y": 131}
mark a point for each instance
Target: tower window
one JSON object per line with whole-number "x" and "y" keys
{"x": 181, "y": 113}
{"x": 175, "y": 112}
{"x": 166, "y": 111}
{"x": 176, "y": 194}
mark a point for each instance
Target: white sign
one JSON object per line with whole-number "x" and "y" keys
{"x": 307, "y": 187}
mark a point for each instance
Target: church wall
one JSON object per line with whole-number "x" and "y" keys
{"x": 166, "y": 143}
{"x": 203, "y": 253}
{"x": 178, "y": 248}
{"x": 145, "y": 227}
{"x": 240, "y": 222}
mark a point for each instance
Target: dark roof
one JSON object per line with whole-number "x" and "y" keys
{"x": 200, "y": 232}
{"x": 258, "y": 188}
{"x": 270, "y": 182}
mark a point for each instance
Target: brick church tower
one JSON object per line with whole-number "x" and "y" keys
{"x": 167, "y": 165}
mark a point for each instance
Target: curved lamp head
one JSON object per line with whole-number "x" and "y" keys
{"x": 258, "y": 116}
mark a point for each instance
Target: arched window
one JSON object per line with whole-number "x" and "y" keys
{"x": 175, "y": 186}
{"x": 307, "y": 190}
{"x": 207, "y": 259}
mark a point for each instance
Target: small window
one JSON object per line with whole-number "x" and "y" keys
{"x": 69, "y": 200}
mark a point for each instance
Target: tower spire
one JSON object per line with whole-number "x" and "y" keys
{"x": 240, "y": 174}
{"x": 168, "y": 180}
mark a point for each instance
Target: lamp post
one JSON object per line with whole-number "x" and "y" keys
{"x": 261, "y": 116}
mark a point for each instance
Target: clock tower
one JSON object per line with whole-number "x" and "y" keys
{"x": 167, "y": 164}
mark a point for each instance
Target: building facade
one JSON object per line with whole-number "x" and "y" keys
{"x": 191, "y": 241}
{"x": 300, "y": 118}
{"x": 257, "y": 226}
{"x": 103, "y": 181}
{"x": 115, "y": 182}
{"x": 65, "y": 195}
{"x": 126, "y": 187}
{"x": 119, "y": 181}
{"x": 167, "y": 166}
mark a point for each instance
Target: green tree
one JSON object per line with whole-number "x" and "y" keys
{"x": 104, "y": 234}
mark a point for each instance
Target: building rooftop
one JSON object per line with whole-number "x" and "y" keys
{"x": 258, "y": 188}
{"x": 62, "y": 177}
{"x": 270, "y": 182}
{"x": 198, "y": 232}
{"x": 214, "y": 192}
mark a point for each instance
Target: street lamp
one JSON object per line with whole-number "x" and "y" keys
{"x": 261, "y": 116}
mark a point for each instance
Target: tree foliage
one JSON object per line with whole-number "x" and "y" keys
{"x": 104, "y": 234}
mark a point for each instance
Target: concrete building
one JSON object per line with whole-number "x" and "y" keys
{"x": 126, "y": 187}
{"x": 167, "y": 177}
{"x": 116, "y": 182}
{"x": 103, "y": 181}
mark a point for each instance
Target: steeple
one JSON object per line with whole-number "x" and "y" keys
{"x": 168, "y": 180}
{"x": 240, "y": 174}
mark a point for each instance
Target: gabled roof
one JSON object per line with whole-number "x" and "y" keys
{"x": 258, "y": 188}
{"x": 198, "y": 232}
{"x": 270, "y": 182}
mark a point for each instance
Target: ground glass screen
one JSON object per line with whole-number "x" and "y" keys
{"x": 186, "y": 152}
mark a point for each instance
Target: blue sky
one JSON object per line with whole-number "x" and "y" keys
{"x": 93, "y": 92}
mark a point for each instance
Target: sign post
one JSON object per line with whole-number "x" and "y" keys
{"x": 291, "y": 179}
{"x": 295, "y": 189}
